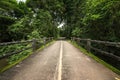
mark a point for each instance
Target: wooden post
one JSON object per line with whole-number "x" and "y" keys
{"x": 88, "y": 45}
{"x": 34, "y": 44}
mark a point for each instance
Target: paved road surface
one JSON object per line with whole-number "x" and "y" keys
{"x": 60, "y": 61}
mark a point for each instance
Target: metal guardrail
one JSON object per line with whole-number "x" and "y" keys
{"x": 89, "y": 46}
{"x": 33, "y": 47}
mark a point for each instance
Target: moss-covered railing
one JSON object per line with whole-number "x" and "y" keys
{"x": 12, "y": 52}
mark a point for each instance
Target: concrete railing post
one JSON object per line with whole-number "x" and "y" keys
{"x": 44, "y": 40}
{"x": 72, "y": 39}
{"x": 51, "y": 38}
{"x": 88, "y": 44}
{"x": 78, "y": 41}
{"x": 34, "y": 44}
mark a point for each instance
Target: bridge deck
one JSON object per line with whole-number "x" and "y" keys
{"x": 60, "y": 61}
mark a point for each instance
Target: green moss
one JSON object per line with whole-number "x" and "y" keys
{"x": 96, "y": 58}
{"x": 11, "y": 65}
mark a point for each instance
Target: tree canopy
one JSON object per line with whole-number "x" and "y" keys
{"x": 94, "y": 19}
{"x": 83, "y": 18}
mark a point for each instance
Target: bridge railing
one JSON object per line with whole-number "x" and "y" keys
{"x": 89, "y": 47}
{"x": 34, "y": 44}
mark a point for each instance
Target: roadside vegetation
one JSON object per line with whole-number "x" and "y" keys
{"x": 93, "y": 19}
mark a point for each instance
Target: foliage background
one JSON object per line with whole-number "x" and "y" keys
{"x": 94, "y": 19}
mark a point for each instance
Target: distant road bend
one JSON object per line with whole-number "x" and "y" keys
{"x": 60, "y": 61}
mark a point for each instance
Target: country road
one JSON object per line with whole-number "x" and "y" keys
{"x": 60, "y": 61}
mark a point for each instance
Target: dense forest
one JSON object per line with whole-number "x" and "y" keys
{"x": 94, "y": 19}
{"x": 83, "y": 18}
{"x": 33, "y": 19}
